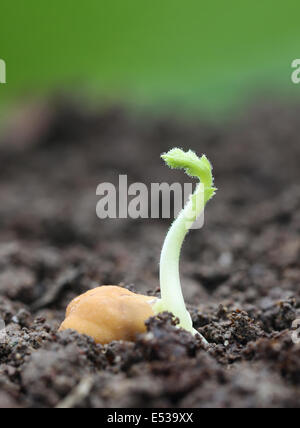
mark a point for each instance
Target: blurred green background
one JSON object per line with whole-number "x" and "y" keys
{"x": 192, "y": 53}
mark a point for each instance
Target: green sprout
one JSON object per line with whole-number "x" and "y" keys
{"x": 171, "y": 292}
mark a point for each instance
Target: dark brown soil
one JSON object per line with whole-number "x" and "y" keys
{"x": 241, "y": 273}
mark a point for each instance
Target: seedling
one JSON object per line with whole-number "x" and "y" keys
{"x": 113, "y": 313}
{"x": 171, "y": 292}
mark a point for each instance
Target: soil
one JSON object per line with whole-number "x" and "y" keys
{"x": 241, "y": 272}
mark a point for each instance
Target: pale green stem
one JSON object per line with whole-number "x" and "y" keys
{"x": 171, "y": 292}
